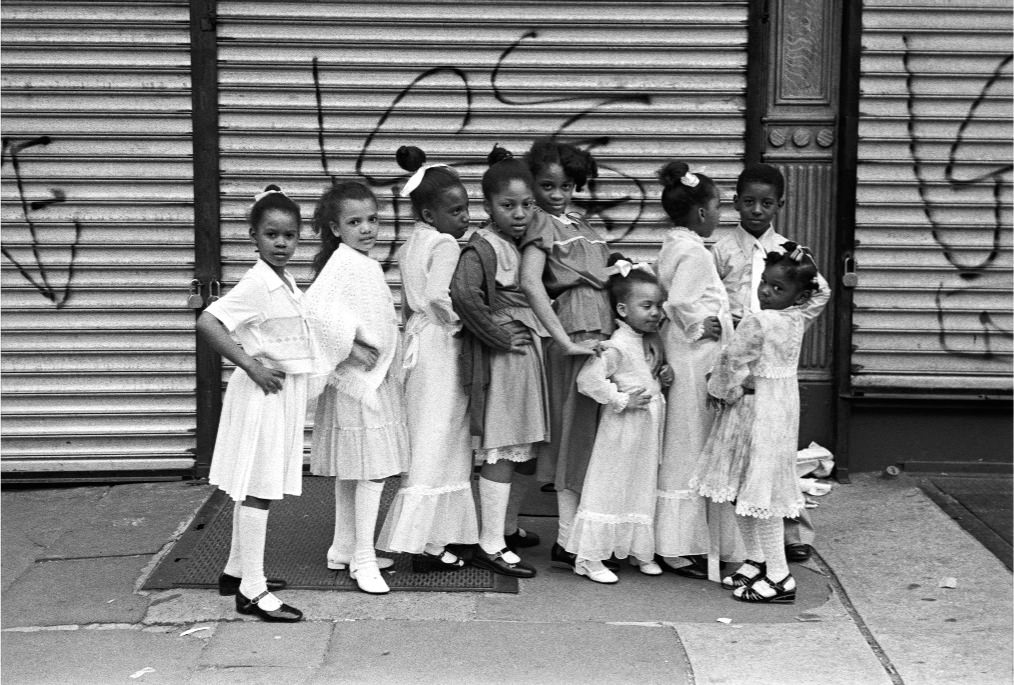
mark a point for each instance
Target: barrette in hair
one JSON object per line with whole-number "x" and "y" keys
{"x": 264, "y": 193}
{"x": 690, "y": 180}
{"x": 624, "y": 267}
{"x": 415, "y": 179}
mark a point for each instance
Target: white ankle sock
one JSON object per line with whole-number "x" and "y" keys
{"x": 234, "y": 566}
{"x": 367, "y": 507}
{"x": 433, "y": 550}
{"x": 518, "y": 490}
{"x": 566, "y": 504}
{"x": 344, "y": 540}
{"x": 493, "y": 498}
{"x": 771, "y": 532}
{"x": 253, "y": 530}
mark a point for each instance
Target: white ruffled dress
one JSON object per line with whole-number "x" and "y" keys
{"x": 616, "y": 514}
{"x": 435, "y": 503}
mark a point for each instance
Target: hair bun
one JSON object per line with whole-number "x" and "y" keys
{"x": 410, "y": 158}
{"x": 615, "y": 257}
{"x": 672, "y": 173}
{"x": 498, "y": 154}
{"x": 270, "y": 187}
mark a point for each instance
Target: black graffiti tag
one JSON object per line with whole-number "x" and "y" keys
{"x": 12, "y": 149}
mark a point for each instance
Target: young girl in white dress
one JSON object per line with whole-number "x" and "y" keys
{"x": 616, "y": 514}
{"x": 261, "y": 326}
{"x": 750, "y": 455}
{"x": 502, "y": 354}
{"x": 434, "y": 506}
{"x": 699, "y": 325}
{"x": 359, "y": 433}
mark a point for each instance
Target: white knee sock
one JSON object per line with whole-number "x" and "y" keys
{"x": 253, "y": 530}
{"x": 367, "y": 507}
{"x": 234, "y": 566}
{"x": 751, "y": 541}
{"x": 771, "y": 532}
{"x": 344, "y": 540}
{"x": 566, "y": 504}
{"x": 493, "y": 499}
{"x": 518, "y": 491}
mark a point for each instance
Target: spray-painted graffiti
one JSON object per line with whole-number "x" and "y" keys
{"x": 39, "y": 275}
{"x": 593, "y": 205}
{"x": 995, "y": 180}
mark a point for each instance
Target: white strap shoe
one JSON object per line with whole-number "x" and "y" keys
{"x": 368, "y": 578}
{"x": 594, "y": 570}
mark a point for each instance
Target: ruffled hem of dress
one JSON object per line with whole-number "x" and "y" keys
{"x": 383, "y": 451}
{"x": 595, "y": 539}
{"x": 439, "y": 516}
{"x": 715, "y": 494}
{"x": 787, "y": 511}
{"x": 515, "y": 453}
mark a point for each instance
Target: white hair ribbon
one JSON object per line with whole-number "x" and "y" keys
{"x": 801, "y": 251}
{"x": 264, "y": 193}
{"x": 413, "y": 182}
{"x": 623, "y": 267}
{"x": 690, "y": 180}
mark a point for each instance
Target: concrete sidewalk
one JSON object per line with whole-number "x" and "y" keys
{"x": 870, "y": 609}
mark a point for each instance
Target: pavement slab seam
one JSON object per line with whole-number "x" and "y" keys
{"x": 839, "y": 590}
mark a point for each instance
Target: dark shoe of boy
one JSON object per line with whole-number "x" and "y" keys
{"x": 798, "y": 552}
{"x": 521, "y": 538}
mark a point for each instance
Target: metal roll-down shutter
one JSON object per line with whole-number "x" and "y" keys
{"x": 311, "y": 92}
{"x": 933, "y": 215}
{"x": 98, "y": 346}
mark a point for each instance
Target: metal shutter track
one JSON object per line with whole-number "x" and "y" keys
{"x": 99, "y": 374}
{"x": 933, "y": 221}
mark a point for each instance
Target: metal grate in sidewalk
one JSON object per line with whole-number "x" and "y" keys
{"x": 299, "y": 533}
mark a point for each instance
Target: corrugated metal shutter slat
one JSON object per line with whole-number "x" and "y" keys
{"x": 98, "y": 347}
{"x": 655, "y": 80}
{"x": 934, "y": 197}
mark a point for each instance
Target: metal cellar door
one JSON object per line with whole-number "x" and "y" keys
{"x": 98, "y": 343}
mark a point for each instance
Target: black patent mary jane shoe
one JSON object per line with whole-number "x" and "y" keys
{"x": 446, "y": 561}
{"x": 283, "y": 614}
{"x": 696, "y": 569}
{"x": 229, "y": 585}
{"x": 497, "y": 564}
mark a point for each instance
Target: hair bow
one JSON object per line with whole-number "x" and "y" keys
{"x": 623, "y": 267}
{"x": 690, "y": 180}
{"x": 413, "y": 182}
{"x": 798, "y": 252}
{"x": 264, "y": 193}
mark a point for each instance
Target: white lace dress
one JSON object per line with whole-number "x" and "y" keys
{"x": 750, "y": 455}
{"x": 434, "y": 504}
{"x": 616, "y": 515}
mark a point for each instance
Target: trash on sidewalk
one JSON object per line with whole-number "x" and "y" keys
{"x": 948, "y": 582}
{"x": 194, "y": 630}
{"x": 726, "y": 621}
{"x": 814, "y": 459}
{"x": 143, "y": 671}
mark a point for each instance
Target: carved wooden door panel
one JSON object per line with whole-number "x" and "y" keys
{"x": 792, "y": 110}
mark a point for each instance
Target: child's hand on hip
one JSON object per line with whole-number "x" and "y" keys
{"x": 638, "y": 398}
{"x": 364, "y": 354}
{"x": 268, "y": 380}
{"x": 666, "y": 375}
